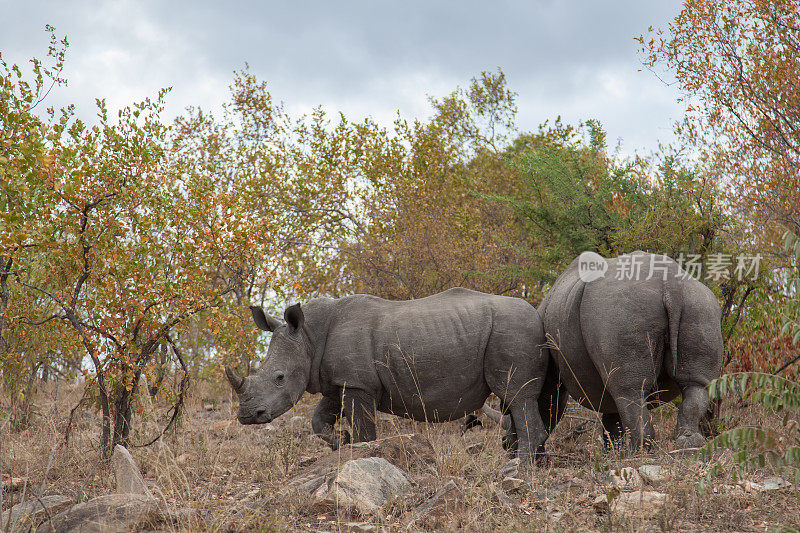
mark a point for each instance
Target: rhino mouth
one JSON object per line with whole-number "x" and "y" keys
{"x": 258, "y": 418}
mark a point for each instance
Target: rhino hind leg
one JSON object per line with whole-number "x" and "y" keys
{"x": 636, "y": 422}
{"x": 359, "y": 408}
{"x": 324, "y": 420}
{"x": 530, "y": 430}
{"x": 693, "y": 409}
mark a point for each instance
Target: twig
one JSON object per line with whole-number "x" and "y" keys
{"x": 47, "y": 470}
{"x": 47, "y": 512}
{"x": 784, "y": 367}
{"x": 176, "y": 407}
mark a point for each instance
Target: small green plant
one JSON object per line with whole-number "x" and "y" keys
{"x": 754, "y": 446}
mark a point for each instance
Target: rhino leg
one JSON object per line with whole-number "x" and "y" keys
{"x": 359, "y": 408}
{"x": 510, "y": 441}
{"x": 324, "y": 421}
{"x": 530, "y": 430}
{"x": 612, "y": 429}
{"x": 693, "y": 408}
{"x": 636, "y": 420}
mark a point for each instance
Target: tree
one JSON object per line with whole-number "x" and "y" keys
{"x": 25, "y": 204}
{"x": 739, "y": 64}
{"x": 575, "y": 197}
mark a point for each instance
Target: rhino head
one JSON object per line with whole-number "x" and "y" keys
{"x": 283, "y": 377}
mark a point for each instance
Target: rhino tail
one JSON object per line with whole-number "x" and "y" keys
{"x": 673, "y": 303}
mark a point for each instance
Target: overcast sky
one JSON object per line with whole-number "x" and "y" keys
{"x": 577, "y": 59}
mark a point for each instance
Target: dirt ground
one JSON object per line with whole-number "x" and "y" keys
{"x": 234, "y": 477}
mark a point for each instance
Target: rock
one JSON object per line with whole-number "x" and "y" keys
{"x": 447, "y": 499}
{"x": 129, "y": 478}
{"x": 368, "y": 484}
{"x": 475, "y": 449}
{"x": 13, "y": 484}
{"x": 111, "y": 513}
{"x": 727, "y": 489}
{"x": 27, "y": 515}
{"x": 622, "y": 502}
{"x": 410, "y": 452}
{"x": 653, "y": 474}
{"x": 512, "y": 484}
{"x": 509, "y": 469}
{"x": 554, "y": 490}
{"x": 626, "y": 477}
{"x": 773, "y": 483}
{"x": 600, "y": 504}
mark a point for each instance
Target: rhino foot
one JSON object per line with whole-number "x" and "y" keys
{"x": 689, "y": 440}
{"x": 340, "y": 439}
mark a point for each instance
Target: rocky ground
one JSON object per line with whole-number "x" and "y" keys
{"x": 214, "y": 474}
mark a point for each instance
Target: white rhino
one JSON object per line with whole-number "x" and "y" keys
{"x": 625, "y": 345}
{"x": 432, "y": 359}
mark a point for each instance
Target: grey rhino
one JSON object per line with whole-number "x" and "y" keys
{"x": 432, "y": 359}
{"x": 625, "y": 345}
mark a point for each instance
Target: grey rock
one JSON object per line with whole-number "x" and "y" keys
{"x": 368, "y": 485}
{"x": 769, "y": 484}
{"x": 29, "y": 514}
{"x": 653, "y": 474}
{"x": 129, "y": 478}
{"x": 112, "y": 513}
{"x": 509, "y": 469}
{"x": 410, "y": 452}
{"x": 622, "y": 502}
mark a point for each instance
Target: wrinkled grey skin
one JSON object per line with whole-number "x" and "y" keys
{"x": 626, "y": 346}
{"x": 432, "y": 359}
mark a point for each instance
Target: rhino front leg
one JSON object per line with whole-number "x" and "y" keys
{"x": 324, "y": 421}
{"x": 359, "y": 408}
{"x": 693, "y": 407}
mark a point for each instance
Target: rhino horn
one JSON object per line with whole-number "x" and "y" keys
{"x": 236, "y": 380}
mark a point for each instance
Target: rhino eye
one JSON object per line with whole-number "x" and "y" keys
{"x": 280, "y": 379}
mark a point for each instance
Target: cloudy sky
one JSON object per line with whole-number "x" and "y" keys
{"x": 577, "y": 59}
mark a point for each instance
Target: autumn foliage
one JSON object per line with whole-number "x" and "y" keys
{"x": 131, "y": 246}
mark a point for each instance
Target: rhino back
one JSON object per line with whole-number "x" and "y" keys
{"x": 424, "y": 358}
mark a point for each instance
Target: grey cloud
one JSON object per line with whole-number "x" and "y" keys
{"x": 365, "y": 57}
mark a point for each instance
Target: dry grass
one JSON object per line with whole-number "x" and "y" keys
{"x": 232, "y": 474}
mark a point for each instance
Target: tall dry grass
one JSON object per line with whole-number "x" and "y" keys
{"x": 232, "y": 475}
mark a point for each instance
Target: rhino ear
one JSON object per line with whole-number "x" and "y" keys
{"x": 262, "y": 320}
{"x": 294, "y": 317}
